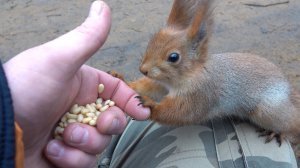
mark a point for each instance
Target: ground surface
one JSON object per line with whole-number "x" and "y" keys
{"x": 271, "y": 31}
{"x": 270, "y": 28}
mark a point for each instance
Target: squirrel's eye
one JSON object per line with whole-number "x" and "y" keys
{"x": 173, "y": 57}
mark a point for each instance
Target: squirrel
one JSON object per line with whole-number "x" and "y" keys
{"x": 193, "y": 87}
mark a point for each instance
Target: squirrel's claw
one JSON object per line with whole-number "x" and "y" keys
{"x": 140, "y": 99}
{"x": 270, "y": 135}
{"x": 116, "y": 75}
{"x": 145, "y": 101}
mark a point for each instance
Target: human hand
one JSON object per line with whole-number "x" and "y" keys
{"x": 46, "y": 80}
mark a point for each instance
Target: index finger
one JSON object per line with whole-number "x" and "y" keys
{"x": 124, "y": 97}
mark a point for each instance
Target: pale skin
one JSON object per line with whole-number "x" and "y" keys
{"x": 46, "y": 80}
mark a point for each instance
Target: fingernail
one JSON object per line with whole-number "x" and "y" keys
{"x": 96, "y": 8}
{"x": 54, "y": 149}
{"x": 145, "y": 111}
{"x": 79, "y": 135}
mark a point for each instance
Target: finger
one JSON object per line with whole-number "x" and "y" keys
{"x": 123, "y": 96}
{"x": 112, "y": 121}
{"x": 71, "y": 50}
{"x": 86, "y": 138}
{"x": 65, "y": 156}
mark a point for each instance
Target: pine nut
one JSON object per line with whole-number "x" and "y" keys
{"x": 90, "y": 115}
{"x": 86, "y": 120}
{"x": 106, "y": 102}
{"x": 100, "y": 88}
{"x": 75, "y": 110}
{"x": 64, "y": 118}
{"x": 61, "y": 124}
{"x": 93, "y": 109}
{"x": 111, "y": 103}
{"x": 104, "y": 108}
{"x": 71, "y": 121}
{"x": 92, "y": 122}
{"x": 99, "y": 101}
{"x": 80, "y": 118}
{"x": 71, "y": 116}
{"x": 84, "y": 111}
{"x": 86, "y": 114}
{"x": 98, "y": 106}
{"x": 90, "y": 108}
{"x": 59, "y": 130}
{"x": 74, "y": 106}
{"x": 56, "y": 130}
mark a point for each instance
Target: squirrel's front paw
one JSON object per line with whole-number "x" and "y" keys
{"x": 116, "y": 74}
{"x": 146, "y": 101}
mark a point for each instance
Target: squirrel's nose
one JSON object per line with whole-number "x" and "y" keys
{"x": 144, "y": 70}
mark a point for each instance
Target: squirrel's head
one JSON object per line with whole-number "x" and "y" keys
{"x": 176, "y": 50}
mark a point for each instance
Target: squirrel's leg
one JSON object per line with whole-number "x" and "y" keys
{"x": 270, "y": 135}
{"x": 144, "y": 86}
{"x": 280, "y": 121}
{"x": 171, "y": 110}
{"x": 276, "y": 121}
{"x": 147, "y": 87}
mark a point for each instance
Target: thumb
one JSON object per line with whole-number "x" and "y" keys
{"x": 68, "y": 52}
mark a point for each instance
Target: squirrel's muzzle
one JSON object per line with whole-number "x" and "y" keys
{"x": 144, "y": 71}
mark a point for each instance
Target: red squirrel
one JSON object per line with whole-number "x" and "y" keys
{"x": 194, "y": 87}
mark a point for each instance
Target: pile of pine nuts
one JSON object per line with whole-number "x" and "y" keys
{"x": 87, "y": 114}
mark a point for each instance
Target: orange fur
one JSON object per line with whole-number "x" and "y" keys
{"x": 194, "y": 87}
{"x": 148, "y": 87}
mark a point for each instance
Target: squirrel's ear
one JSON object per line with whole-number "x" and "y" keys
{"x": 201, "y": 24}
{"x": 182, "y": 13}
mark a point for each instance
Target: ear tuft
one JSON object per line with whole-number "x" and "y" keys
{"x": 182, "y": 13}
{"x": 201, "y": 23}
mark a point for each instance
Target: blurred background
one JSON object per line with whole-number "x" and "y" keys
{"x": 270, "y": 28}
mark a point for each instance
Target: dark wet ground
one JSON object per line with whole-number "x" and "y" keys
{"x": 270, "y": 28}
